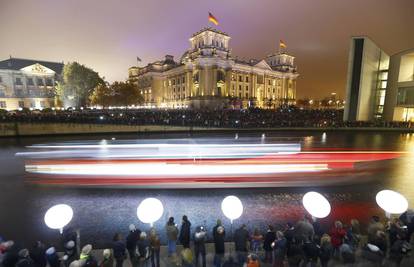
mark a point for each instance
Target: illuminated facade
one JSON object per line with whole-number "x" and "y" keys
{"x": 207, "y": 75}
{"x": 379, "y": 86}
{"x": 28, "y": 83}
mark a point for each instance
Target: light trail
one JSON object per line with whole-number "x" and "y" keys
{"x": 190, "y": 164}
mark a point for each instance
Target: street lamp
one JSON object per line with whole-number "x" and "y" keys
{"x": 316, "y": 204}
{"x": 391, "y": 202}
{"x": 150, "y": 210}
{"x": 58, "y": 216}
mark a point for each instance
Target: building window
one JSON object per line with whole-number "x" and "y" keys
{"x": 247, "y": 79}
{"x": 183, "y": 80}
{"x": 2, "y": 93}
{"x": 3, "y": 104}
{"x": 270, "y": 82}
{"x": 247, "y": 88}
{"x": 21, "y": 104}
{"x": 247, "y": 95}
{"x": 40, "y": 82}
{"x": 240, "y": 87}
{"x": 49, "y": 82}
{"x": 30, "y": 81}
{"x": 19, "y": 81}
{"x": 32, "y": 104}
{"x": 19, "y": 92}
{"x": 42, "y": 104}
{"x": 240, "y": 78}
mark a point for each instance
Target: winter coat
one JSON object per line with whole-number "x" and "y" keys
{"x": 172, "y": 232}
{"x": 241, "y": 236}
{"x": 218, "y": 240}
{"x": 280, "y": 249}
{"x": 304, "y": 229}
{"x": 53, "y": 260}
{"x": 38, "y": 256}
{"x": 131, "y": 240}
{"x": 337, "y": 236}
{"x": 119, "y": 250}
{"x": 311, "y": 251}
{"x": 185, "y": 233}
{"x": 326, "y": 252}
{"x": 143, "y": 247}
{"x": 155, "y": 242}
{"x": 25, "y": 262}
{"x": 270, "y": 237}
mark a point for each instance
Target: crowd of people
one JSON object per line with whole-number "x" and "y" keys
{"x": 307, "y": 243}
{"x": 288, "y": 116}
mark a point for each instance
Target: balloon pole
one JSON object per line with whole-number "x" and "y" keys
{"x": 78, "y": 241}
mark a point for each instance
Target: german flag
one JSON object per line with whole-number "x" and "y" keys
{"x": 282, "y": 44}
{"x": 212, "y": 19}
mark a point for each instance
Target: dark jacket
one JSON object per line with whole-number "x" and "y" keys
{"x": 53, "y": 260}
{"x": 326, "y": 252}
{"x": 172, "y": 232}
{"x": 280, "y": 249}
{"x": 38, "y": 256}
{"x": 200, "y": 237}
{"x": 119, "y": 249}
{"x": 131, "y": 241}
{"x": 241, "y": 236}
{"x": 270, "y": 237}
{"x": 143, "y": 246}
{"x": 218, "y": 240}
{"x": 185, "y": 233}
{"x": 311, "y": 251}
{"x": 25, "y": 262}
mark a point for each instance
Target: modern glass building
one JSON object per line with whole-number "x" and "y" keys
{"x": 379, "y": 86}
{"x": 366, "y": 81}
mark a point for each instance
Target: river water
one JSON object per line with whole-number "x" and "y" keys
{"x": 100, "y": 212}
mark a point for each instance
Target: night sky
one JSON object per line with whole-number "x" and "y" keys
{"x": 108, "y": 35}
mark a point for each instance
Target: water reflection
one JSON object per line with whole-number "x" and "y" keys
{"x": 100, "y": 212}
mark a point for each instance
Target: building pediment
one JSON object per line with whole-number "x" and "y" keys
{"x": 263, "y": 65}
{"x": 37, "y": 69}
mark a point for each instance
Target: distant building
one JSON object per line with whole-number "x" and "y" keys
{"x": 26, "y": 83}
{"x": 379, "y": 86}
{"x": 207, "y": 75}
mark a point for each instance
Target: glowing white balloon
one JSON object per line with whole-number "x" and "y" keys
{"x": 232, "y": 207}
{"x": 58, "y": 216}
{"x": 150, "y": 210}
{"x": 316, "y": 204}
{"x": 392, "y": 202}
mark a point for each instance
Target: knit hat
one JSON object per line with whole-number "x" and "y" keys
{"x": 86, "y": 250}
{"x": 132, "y": 227}
{"x": 24, "y": 253}
{"x": 106, "y": 253}
{"x": 50, "y": 251}
{"x": 70, "y": 244}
